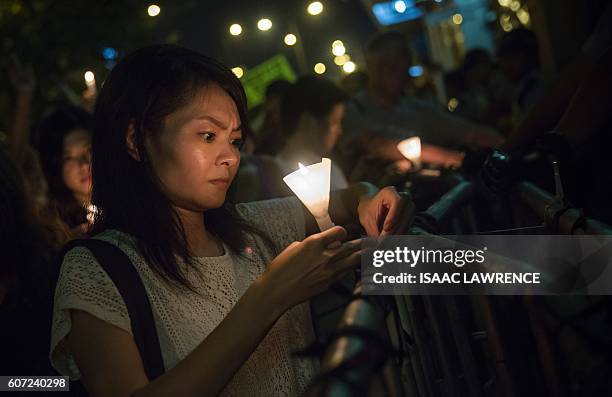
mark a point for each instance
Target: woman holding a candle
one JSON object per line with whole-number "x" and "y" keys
{"x": 227, "y": 284}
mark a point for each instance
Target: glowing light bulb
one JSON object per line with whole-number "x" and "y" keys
{"x": 235, "y": 29}
{"x": 264, "y": 24}
{"x": 315, "y": 8}
{"x": 523, "y": 16}
{"x": 153, "y": 10}
{"x": 400, "y": 6}
{"x": 349, "y": 67}
{"x": 342, "y": 59}
{"x": 338, "y": 50}
{"x": 238, "y": 71}
{"x": 290, "y": 39}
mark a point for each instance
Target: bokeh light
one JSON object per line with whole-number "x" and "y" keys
{"x": 338, "y": 50}
{"x": 235, "y": 29}
{"x": 264, "y": 24}
{"x": 238, "y": 71}
{"x": 319, "y": 68}
{"x": 349, "y": 67}
{"x": 400, "y": 6}
{"x": 290, "y": 39}
{"x": 315, "y": 8}
{"x": 342, "y": 59}
{"x": 153, "y": 10}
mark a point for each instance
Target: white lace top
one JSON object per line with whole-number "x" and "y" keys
{"x": 182, "y": 318}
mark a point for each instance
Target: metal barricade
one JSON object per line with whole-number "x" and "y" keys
{"x": 438, "y": 336}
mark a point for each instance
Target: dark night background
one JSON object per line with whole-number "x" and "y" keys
{"x": 63, "y": 39}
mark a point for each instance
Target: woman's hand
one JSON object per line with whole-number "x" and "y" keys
{"x": 307, "y": 268}
{"x": 386, "y": 212}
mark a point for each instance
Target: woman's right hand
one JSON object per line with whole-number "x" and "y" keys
{"x": 307, "y": 268}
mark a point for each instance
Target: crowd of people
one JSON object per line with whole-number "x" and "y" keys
{"x": 168, "y": 170}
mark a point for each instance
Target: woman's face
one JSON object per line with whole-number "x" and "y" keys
{"x": 333, "y": 127}
{"x": 76, "y": 160}
{"x": 196, "y": 156}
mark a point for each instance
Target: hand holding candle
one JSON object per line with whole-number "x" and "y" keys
{"x": 311, "y": 185}
{"x": 411, "y": 149}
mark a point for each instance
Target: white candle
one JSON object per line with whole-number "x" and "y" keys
{"x": 90, "y": 82}
{"x": 311, "y": 185}
{"x": 411, "y": 149}
{"x": 90, "y": 79}
{"x": 92, "y": 211}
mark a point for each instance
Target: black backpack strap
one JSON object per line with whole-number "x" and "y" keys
{"x": 129, "y": 284}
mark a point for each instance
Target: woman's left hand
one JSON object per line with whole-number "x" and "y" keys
{"x": 387, "y": 212}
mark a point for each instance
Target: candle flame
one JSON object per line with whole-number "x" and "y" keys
{"x": 303, "y": 169}
{"x": 410, "y": 148}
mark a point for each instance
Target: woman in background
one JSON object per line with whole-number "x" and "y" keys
{"x": 65, "y": 154}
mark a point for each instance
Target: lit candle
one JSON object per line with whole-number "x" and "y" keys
{"x": 311, "y": 185}
{"x": 92, "y": 211}
{"x": 90, "y": 79}
{"x": 411, "y": 149}
{"x": 90, "y": 82}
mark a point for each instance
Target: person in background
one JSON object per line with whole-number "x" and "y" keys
{"x": 311, "y": 120}
{"x": 519, "y": 59}
{"x": 27, "y": 246}
{"x": 65, "y": 153}
{"x": 483, "y": 92}
{"x": 473, "y": 95}
{"x": 270, "y": 136}
{"x": 259, "y": 176}
{"x": 353, "y": 83}
{"x": 381, "y": 115}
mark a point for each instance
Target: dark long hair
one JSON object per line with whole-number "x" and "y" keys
{"x": 143, "y": 89}
{"x": 52, "y": 132}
